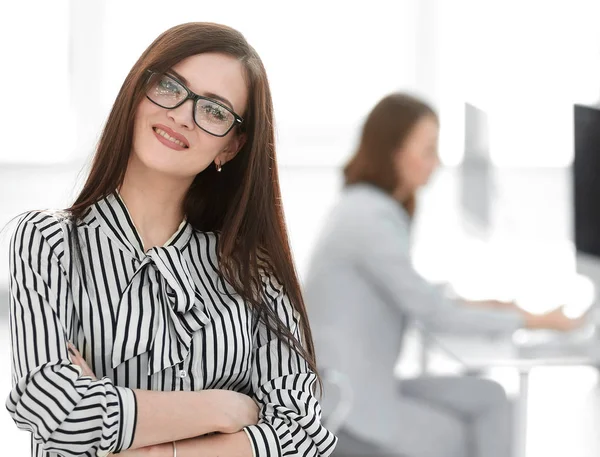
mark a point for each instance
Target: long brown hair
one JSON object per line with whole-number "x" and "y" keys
{"x": 387, "y": 127}
{"x": 243, "y": 202}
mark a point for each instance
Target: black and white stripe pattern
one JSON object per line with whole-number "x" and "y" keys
{"x": 161, "y": 320}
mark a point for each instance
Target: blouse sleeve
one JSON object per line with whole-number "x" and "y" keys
{"x": 67, "y": 413}
{"x": 384, "y": 259}
{"x": 290, "y": 416}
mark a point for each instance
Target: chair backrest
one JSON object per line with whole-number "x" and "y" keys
{"x": 336, "y": 412}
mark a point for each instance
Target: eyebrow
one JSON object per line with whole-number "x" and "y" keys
{"x": 206, "y": 94}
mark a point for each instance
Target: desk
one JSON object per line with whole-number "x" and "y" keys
{"x": 527, "y": 350}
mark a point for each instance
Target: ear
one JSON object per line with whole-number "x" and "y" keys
{"x": 232, "y": 148}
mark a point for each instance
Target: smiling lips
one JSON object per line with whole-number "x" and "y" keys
{"x": 170, "y": 138}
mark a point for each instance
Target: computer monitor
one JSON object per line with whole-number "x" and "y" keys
{"x": 586, "y": 192}
{"x": 586, "y": 180}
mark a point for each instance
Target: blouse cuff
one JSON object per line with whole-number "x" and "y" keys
{"x": 128, "y": 422}
{"x": 264, "y": 440}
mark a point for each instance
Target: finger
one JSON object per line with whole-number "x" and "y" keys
{"x": 78, "y": 357}
{"x": 75, "y": 358}
{"x": 71, "y": 350}
{"x": 86, "y": 369}
{"x": 78, "y": 360}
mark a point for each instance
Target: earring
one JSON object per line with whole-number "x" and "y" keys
{"x": 219, "y": 167}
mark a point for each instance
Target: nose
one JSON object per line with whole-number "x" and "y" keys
{"x": 182, "y": 115}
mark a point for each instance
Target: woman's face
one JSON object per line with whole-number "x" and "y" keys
{"x": 169, "y": 141}
{"x": 417, "y": 158}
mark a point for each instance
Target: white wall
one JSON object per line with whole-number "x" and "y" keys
{"x": 525, "y": 62}
{"x": 35, "y": 84}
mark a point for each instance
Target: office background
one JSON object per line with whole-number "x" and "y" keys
{"x": 504, "y": 77}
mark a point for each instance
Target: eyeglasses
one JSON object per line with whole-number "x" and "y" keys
{"x": 210, "y": 115}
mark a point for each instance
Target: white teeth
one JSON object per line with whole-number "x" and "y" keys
{"x": 170, "y": 138}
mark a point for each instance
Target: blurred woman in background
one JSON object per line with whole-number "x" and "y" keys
{"x": 362, "y": 291}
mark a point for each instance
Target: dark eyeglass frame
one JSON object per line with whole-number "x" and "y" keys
{"x": 237, "y": 120}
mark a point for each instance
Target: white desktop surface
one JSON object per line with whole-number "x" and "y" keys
{"x": 522, "y": 352}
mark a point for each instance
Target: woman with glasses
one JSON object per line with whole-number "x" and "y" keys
{"x": 362, "y": 291}
{"x": 161, "y": 313}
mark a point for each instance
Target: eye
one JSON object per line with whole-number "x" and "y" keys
{"x": 214, "y": 112}
{"x": 168, "y": 86}
{"x": 217, "y": 113}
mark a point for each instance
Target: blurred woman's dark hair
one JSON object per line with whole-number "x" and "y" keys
{"x": 386, "y": 129}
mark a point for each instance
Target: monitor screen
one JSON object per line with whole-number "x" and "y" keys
{"x": 586, "y": 179}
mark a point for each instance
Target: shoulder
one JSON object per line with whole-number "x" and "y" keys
{"x": 370, "y": 195}
{"x": 39, "y": 230}
{"x": 49, "y": 224}
{"x": 362, "y": 202}
{"x": 364, "y": 209}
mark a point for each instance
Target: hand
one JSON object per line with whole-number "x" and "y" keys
{"x": 79, "y": 361}
{"x": 554, "y": 320}
{"x": 236, "y": 410}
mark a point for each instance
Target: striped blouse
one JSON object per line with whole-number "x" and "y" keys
{"x": 159, "y": 320}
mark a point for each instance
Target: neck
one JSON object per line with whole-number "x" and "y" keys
{"x": 401, "y": 194}
{"x": 154, "y": 201}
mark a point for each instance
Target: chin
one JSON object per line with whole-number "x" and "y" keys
{"x": 162, "y": 161}
{"x": 425, "y": 181}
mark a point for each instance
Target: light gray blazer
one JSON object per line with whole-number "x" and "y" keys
{"x": 361, "y": 290}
